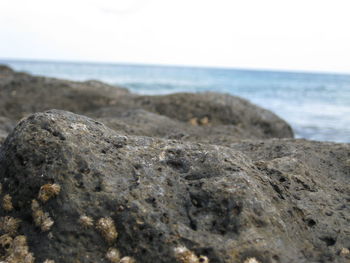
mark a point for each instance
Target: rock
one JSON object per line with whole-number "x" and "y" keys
{"x": 3, "y": 136}
{"x": 6, "y": 125}
{"x": 142, "y": 122}
{"x": 313, "y": 178}
{"x": 5, "y": 70}
{"x": 22, "y": 94}
{"x": 280, "y": 200}
{"x": 218, "y": 109}
{"x": 219, "y": 118}
{"x": 175, "y": 178}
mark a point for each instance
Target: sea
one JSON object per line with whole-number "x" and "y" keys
{"x": 316, "y": 105}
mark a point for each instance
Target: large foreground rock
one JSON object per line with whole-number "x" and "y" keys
{"x": 267, "y": 201}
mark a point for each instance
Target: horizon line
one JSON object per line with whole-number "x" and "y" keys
{"x": 68, "y": 61}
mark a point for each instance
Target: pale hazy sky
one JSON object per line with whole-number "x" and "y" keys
{"x": 267, "y": 34}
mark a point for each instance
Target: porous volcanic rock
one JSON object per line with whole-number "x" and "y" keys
{"x": 264, "y": 201}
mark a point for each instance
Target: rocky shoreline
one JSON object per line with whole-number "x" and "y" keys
{"x": 93, "y": 173}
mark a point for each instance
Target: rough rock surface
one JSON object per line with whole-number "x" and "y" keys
{"x": 280, "y": 200}
{"x": 173, "y": 178}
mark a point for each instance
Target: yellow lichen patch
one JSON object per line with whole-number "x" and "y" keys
{"x": 184, "y": 255}
{"x": 127, "y": 260}
{"x": 9, "y": 225}
{"x": 7, "y": 203}
{"x": 48, "y": 191}
{"x": 193, "y": 121}
{"x": 86, "y": 221}
{"x": 251, "y": 260}
{"x": 113, "y": 255}
{"x": 107, "y": 229}
{"x": 41, "y": 219}
{"x": 344, "y": 251}
{"x": 17, "y": 250}
{"x": 204, "y": 121}
{"x": 49, "y": 261}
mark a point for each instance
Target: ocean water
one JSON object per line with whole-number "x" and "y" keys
{"x": 316, "y": 105}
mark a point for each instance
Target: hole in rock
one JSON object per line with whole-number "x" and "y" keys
{"x": 311, "y": 222}
{"x": 330, "y": 241}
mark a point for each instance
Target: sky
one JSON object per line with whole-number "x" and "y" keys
{"x": 310, "y": 35}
